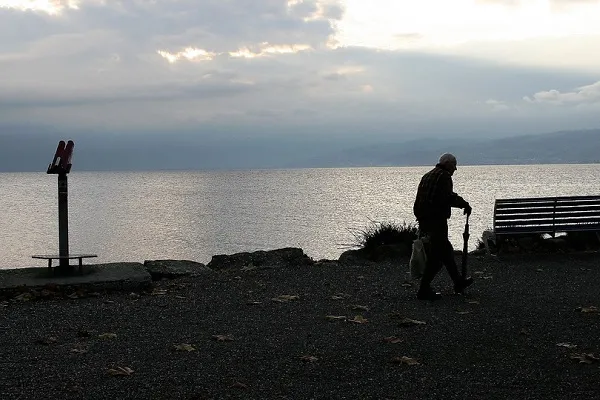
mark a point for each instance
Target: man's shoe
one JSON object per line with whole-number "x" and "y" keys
{"x": 428, "y": 295}
{"x": 460, "y": 287}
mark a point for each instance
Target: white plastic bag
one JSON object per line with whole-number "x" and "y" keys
{"x": 418, "y": 258}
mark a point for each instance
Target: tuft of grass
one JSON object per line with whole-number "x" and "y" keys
{"x": 480, "y": 245}
{"x": 385, "y": 233}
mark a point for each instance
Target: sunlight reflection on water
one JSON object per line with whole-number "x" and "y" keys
{"x": 136, "y": 216}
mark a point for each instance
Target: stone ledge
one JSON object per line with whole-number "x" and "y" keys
{"x": 173, "y": 269}
{"x": 111, "y": 276}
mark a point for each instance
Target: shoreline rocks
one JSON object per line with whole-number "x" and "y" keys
{"x": 279, "y": 258}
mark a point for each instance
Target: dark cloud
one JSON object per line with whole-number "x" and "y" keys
{"x": 76, "y": 68}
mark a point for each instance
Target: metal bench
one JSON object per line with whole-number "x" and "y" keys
{"x": 80, "y": 257}
{"x": 546, "y": 215}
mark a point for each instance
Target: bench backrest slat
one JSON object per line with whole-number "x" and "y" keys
{"x": 558, "y": 219}
{"x": 549, "y": 210}
{"x": 543, "y": 199}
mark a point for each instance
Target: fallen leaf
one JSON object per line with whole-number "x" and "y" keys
{"x": 284, "y": 298}
{"x": 341, "y": 296}
{"x": 392, "y": 340}
{"x": 487, "y": 277}
{"x": 358, "y": 319}
{"x": 108, "y": 302}
{"x": 177, "y": 285}
{"x": 223, "y": 338}
{"x": 79, "y": 350}
{"x": 584, "y": 358}
{"x": 253, "y": 303}
{"x": 406, "y": 360}
{"x": 361, "y": 308}
{"x": 107, "y": 335}
{"x": 120, "y": 371}
{"x": 336, "y": 317}
{"x": 567, "y": 345}
{"x": 360, "y": 277}
{"x": 411, "y": 322}
{"x": 180, "y": 297}
{"x": 239, "y": 385}
{"x": 463, "y": 312}
{"x": 24, "y": 297}
{"x": 337, "y": 297}
{"x": 479, "y": 272}
{"x": 473, "y": 302}
{"x": 4, "y": 304}
{"x": 48, "y": 340}
{"x": 248, "y": 267}
{"x": 588, "y": 310}
{"x": 73, "y": 295}
{"x": 184, "y": 347}
{"x": 309, "y": 359}
{"x": 158, "y": 292}
{"x": 407, "y": 284}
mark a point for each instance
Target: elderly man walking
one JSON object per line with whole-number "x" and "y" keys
{"x": 432, "y": 208}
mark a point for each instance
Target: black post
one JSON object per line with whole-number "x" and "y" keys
{"x": 63, "y": 221}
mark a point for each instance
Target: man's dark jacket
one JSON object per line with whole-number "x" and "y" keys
{"x": 435, "y": 197}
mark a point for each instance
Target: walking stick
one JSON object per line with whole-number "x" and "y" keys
{"x": 465, "y": 248}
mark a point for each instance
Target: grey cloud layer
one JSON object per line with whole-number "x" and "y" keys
{"x": 102, "y": 59}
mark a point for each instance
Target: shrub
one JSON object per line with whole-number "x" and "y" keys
{"x": 480, "y": 245}
{"x": 385, "y": 233}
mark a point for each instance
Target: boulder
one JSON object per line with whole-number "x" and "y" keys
{"x": 279, "y": 258}
{"x": 390, "y": 252}
{"x": 353, "y": 257}
{"x": 171, "y": 269}
{"x": 383, "y": 253}
{"x": 327, "y": 263}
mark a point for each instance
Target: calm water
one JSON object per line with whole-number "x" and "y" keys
{"x": 193, "y": 215}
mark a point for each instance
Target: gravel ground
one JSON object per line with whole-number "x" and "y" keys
{"x": 499, "y": 341}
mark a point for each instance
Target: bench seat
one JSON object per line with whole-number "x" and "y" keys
{"x": 51, "y": 257}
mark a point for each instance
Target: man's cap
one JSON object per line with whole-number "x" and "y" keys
{"x": 447, "y": 158}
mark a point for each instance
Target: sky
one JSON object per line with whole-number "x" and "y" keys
{"x": 394, "y": 68}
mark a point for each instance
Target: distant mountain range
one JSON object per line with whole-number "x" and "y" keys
{"x": 32, "y": 150}
{"x": 551, "y": 148}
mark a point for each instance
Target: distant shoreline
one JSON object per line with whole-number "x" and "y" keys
{"x": 293, "y": 168}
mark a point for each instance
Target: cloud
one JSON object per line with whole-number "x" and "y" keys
{"x": 497, "y": 105}
{"x": 51, "y": 7}
{"x": 561, "y": 3}
{"x": 588, "y": 94}
{"x": 270, "y": 65}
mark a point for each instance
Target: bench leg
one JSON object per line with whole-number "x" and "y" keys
{"x": 80, "y": 264}
{"x": 50, "y": 264}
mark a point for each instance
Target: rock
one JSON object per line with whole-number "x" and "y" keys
{"x": 326, "y": 263}
{"x": 353, "y": 257}
{"x": 171, "y": 269}
{"x": 386, "y": 252}
{"x": 389, "y": 252}
{"x": 280, "y": 258}
{"x": 556, "y": 244}
{"x": 528, "y": 243}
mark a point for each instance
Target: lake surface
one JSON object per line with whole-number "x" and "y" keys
{"x": 137, "y": 216}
